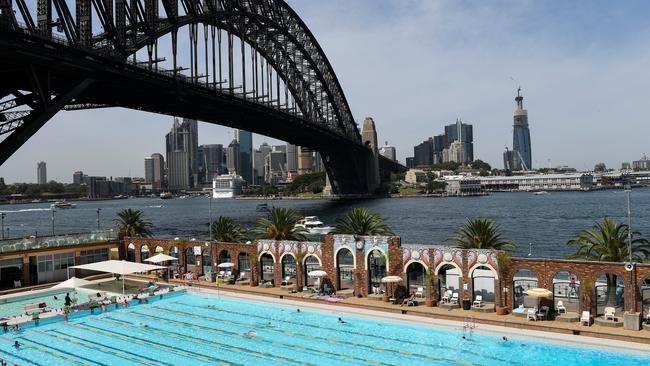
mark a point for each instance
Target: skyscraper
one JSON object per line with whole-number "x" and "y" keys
{"x": 259, "y": 156}
{"x": 41, "y": 172}
{"x": 388, "y": 151}
{"x": 463, "y": 133}
{"x": 78, "y": 177}
{"x": 521, "y": 134}
{"x": 158, "y": 170}
{"x": 213, "y": 158}
{"x": 182, "y": 155}
{"x": 292, "y": 158}
{"x": 148, "y": 170}
{"x": 423, "y": 153}
{"x": 245, "y": 140}
{"x": 305, "y": 160}
{"x": 232, "y": 157}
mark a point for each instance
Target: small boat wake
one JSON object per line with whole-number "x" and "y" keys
{"x": 25, "y": 210}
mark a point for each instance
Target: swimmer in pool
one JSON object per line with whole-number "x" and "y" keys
{"x": 505, "y": 339}
{"x": 16, "y": 344}
{"x": 341, "y": 321}
{"x": 250, "y": 334}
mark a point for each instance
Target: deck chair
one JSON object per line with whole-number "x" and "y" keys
{"x": 454, "y": 298}
{"x": 478, "y": 302}
{"x": 17, "y": 284}
{"x": 286, "y": 282}
{"x": 585, "y": 318}
{"x": 446, "y": 297}
{"x": 420, "y": 292}
{"x": 532, "y": 314}
{"x": 560, "y": 307}
{"x": 610, "y": 313}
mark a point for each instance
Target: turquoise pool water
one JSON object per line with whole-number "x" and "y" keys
{"x": 15, "y": 306}
{"x": 200, "y": 330}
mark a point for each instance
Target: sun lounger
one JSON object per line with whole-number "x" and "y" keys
{"x": 532, "y": 314}
{"x": 585, "y": 318}
{"x": 454, "y": 298}
{"x": 32, "y": 308}
{"x": 543, "y": 312}
{"x": 610, "y": 313}
{"x": 560, "y": 307}
{"x": 409, "y": 301}
{"x": 478, "y": 302}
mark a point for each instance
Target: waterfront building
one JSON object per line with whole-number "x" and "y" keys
{"x": 388, "y": 151}
{"x": 642, "y": 164}
{"x": 227, "y": 185}
{"x": 259, "y": 155}
{"x": 464, "y": 134}
{"x": 274, "y": 167}
{"x": 626, "y": 165}
{"x": 415, "y": 176}
{"x": 305, "y": 160}
{"x": 78, "y": 177}
{"x": 41, "y": 172}
{"x": 213, "y": 161}
{"x": 158, "y": 171}
{"x": 456, "y": 153}
{"x": 410, "y": 162}
{"x": 232, "y": 157}
{"x": 292, "y": 158}
{"x": 423, "y": 153}
{"x": 182, "y": 155}
{"x": 245, "y": 140}
{"x": 148, "y": 169}
{"x": 463, "y": 186}
{"x": 439, "y": 143}
{"x": 521, "y": 157}
{"x": 539, "y": 182}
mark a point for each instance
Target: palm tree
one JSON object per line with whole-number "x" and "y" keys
{"x": 131, "y": 223}
{"x": 281, "y": 225}
{"x": 481, "y": 234}
{"x": 607, "y": 241}
{"x": 226, "y": 230}
{"x": 360, "y": 221}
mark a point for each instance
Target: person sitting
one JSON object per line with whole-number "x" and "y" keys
{"x": 410, "y": 300}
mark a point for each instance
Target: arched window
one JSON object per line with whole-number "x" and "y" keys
{"x": 144, "y": 253}
{"x": 243, "y": 264}
{"x": 206, "y": 260}
{"x": 415, "y": 274}
{"x": 311, "y": 264}
{"x": 190, "y": 259}
{"x": 610, "y": 292}
{"x": 448, "y": 280}
{"x": 267, "y": 273}
{"x": 288, "y": 267}
{"x": 566, "y": 288}
{"x": 483, "y": 283}
{"x": 523, "y": 280}
{"x": 130, "y": 253}
{"x": 224, "y": 256}
{"x": 345, "y": 269}
{"x": 173, "y": 251}
{"x": 376, "y": 269}
{"x": 159, "y": 249}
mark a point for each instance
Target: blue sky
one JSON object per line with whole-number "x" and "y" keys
{"x": 416, "y": 65}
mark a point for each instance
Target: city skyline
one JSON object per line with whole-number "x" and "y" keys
{"x": 574, "y": 78}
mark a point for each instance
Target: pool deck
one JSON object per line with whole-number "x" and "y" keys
{"x": 457, "y": 315}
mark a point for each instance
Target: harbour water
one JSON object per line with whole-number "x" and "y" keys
{"x": 547, "y": 221}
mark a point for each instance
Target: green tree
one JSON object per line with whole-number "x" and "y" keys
{"x": 131, "y": 223}
{"x": 226, "y": 230}
{"x": 281, "y": 225}
{"x": 481, "y": 165}
{"x": 607, "y": 241}
{"x": 360, "y": 221}
{"x": 481, "y": 234}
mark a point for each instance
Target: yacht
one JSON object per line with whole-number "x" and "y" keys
{"x": 314, "y": 225}
{"x": 227, "y": 185}
{"x": 62, "y": 204}
{"x": 165, "y": 195}
{"x": 539, "y": 193}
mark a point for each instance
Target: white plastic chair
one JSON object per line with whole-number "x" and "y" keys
{"x": 17, "y": 284}
{"x": 420, "y": 292}
{"x": 446, "y": 297}
{"x": 560, "y": 307}
{"x": 585, "y": 318}
{"x": 286, "y": 282}
{"x": 454, "y": 298}
{"x": 610, "y": 313}
{"x": 532, "y": 314}
{"x": 478, "y": 301}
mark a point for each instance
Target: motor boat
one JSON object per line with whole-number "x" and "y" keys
{"x": 314, "y": 226}
{"x": 62, "y": 204}
{"x": 165, "y": 195}
{"x": 540, "y": 193}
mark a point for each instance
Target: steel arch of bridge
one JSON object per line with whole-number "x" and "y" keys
{"x": 313, "y": 97}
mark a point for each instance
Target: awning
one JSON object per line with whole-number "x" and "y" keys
{"x": 73, "y": 282}
{"x": 118, "y": 267}
{"x": 158, "y": 258}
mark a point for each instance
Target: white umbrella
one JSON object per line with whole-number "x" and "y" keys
{"x": 317, "y": 273}
{"x": 158, "y": 258}
{"x": 119, "y": 267}
{"x": 73, "y": 282}
{"x": 391, "y": 279}
{"x": 226, "y": 265}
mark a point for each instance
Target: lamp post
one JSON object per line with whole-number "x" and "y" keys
{"x": 210, "y": 228}
{"x": 52, "y": 211}
{"x": 2, "y": 220}
{"x": 530, "y": 249}
{"x": 98, "y": 209}
{"x": 628, "y": 190}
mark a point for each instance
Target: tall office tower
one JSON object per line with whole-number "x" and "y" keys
{"x": 423, "y": 153}
{"x": 464, "y": 133}
{"x": 274, "y": 167}
{"x": 245, "y": 140}
{"x": 439, "y": 143}
{"x": 148, "y": 170}
{"x": 292, "y": 158}
{"x": 305, "y": 160}
{"x": 232, "y": 157}
{"x": 388, "y": 151}
{"x": 181, "y": 150}
{"x": 369, "y": 133}
{"x": 193, "y": 127}
{"x": 521, "y": 135}
{"x": 457, "y": 152}
{"x": 78, "y": 177}
{"x": 258, "y": 162}
{"x": 41, "y": 172}
{"x": 201, "y": 165}
{"x": 213, "y": 157}
{"x": 158, "y": 170}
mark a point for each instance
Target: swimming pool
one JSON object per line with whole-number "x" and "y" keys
{"x": 200, "y": 330}
{"x": 14, "y": 306}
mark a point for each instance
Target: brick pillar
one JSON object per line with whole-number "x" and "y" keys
{"x": 26, "y": 272}
{"x": 181, "y": 258}
{"x": 213, "y": 261}
{"x": 277, "y": 266}
{"x": 360, "y": 274}
{"x": 198, "y": 264}
{"x": 138, "y": 254}
{"x": 327, "y": 259}
{"x": 77, "y": 261}
{"x": 467, "y": 280}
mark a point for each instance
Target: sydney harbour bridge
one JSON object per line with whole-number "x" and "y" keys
{"x": 247, "y": 64}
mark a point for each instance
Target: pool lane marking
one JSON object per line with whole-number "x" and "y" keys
{"x": 167, "y": 348}
{"x": 194, "y": 339}
{"x": 111, "y": 350}
{"x": 341, "y": 331}
{"x": 406, "y": 353}
{"x": 63, "y": 355}
{"x": 18, "y": 357}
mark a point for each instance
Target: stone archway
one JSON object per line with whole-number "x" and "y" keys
{"x": 566, "y": 288}
{"x": 450, "y": 278}
{"x": 483, "y": 283}
{"x": 344, "y": 269}
{"x": 311, "y": 263}
{"x": 415, "y": 277}
{"x": 144, "y": 253}
{"x": 130, "y": 252}
{"x": 609, "y": 291}
{"x": 289, "y": 269}
{"x": 267, "y": 268}
{"x": 524, "y": 279}
{"x": 377, "y": 268}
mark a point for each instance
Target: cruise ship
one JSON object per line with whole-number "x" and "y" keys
{"x": 227, "y": 186}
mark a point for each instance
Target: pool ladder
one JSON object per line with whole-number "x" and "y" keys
{"x": 468, "y": 326}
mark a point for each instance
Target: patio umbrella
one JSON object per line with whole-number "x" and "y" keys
{"x": 158, "y": 258}
{"x": 226, "y": 265}
{"x": 391, "y": 279}
{"x": 539, "y": 292}
{"x": 73, "y": 282}
{"x": 317, "y": 273}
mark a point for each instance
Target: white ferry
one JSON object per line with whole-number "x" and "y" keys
{"x": 62, "y": 204}
{"x": 314, "y": 225}
{"x": 227, "y": 186}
